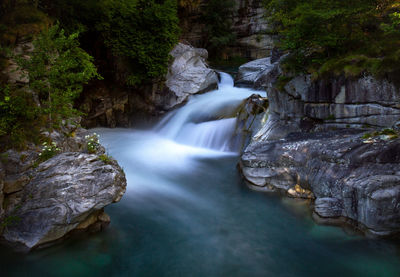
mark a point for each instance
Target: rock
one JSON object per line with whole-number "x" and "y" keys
{"x": 250, "y": 118}
{"x": 116, "y": 105}
{"x": 251, "y": 30}
{"x": 249, "y": 73}
{"x": 2, "y": 176}
{"x": 65, "y": 191}
{"x": 349, "y": 178}
{"x": 302, "y": 104}
{"x": 15, "y": 183}
{"x": 249, "y": 26}
{"x": 328, "y": 207}
{"x": 188, "y": 75}
{"x": 12, "y": 71}
{"x": 298, "y": 192}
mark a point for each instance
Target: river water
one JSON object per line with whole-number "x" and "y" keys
{"x": 187, "y": 212}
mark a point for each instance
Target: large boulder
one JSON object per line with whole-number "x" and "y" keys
{"x": 42, "y": 202}
{"x": 61, "y": 195}
{"x": 250, "y": 73}
{"x": 350, "y": 176}
{"x": 188, "y": 75}
{"x": 116, "y": 105}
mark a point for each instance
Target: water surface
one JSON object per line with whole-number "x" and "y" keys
{"x": 188, "y": 213}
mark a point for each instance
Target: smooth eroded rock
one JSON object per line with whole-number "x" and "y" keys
{"x": 65, "y": 191}
{"x": 249, "y": 73}
{"x": 188, "y": 75}
{"x": 349, "y": 176}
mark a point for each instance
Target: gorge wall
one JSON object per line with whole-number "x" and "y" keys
{"x": 333, "y": 140}
{"x": 248, "y": 24}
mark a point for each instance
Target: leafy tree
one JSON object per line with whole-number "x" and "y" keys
{"x": 139, "y": 32}
{"x": 17, "y": 113}
{"x": 348, "y": 37}
{"x": 57, "y": 70}
{"x": 218, "y": 25}
{"x": 142, "y": 31}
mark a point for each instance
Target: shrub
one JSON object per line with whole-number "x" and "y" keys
{"x": 48, "y": 151}
{"x": 143, "y": 32}
{"x": 57, "y": 69}
{"x": 93, "y": 143}
{"x": 341, "y": 37}
{"x": 19, "y": 118}
{"x": 216, "y": 15}
{"x": 106, "y": 159}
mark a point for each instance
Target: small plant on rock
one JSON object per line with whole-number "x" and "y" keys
{"x": 106, "y": 159}
{"x": 48, "y": 151}
{"x": 93, "y": 143}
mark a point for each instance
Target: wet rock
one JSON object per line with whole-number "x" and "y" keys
{"x": 251, "y": 116}
{"x": 348, "y": 177}
{"x": 188, "y": 75}
{"x": 328, "y": 207}
{"x": 15, "y": 183}
{"x": 249, "y": 73}
{"x": 65, "y": 191}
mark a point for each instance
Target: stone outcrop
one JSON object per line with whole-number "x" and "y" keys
{"x": 314, "y": 145}
{"x": 248, "y": 24}
{"x": 251, "y": 30}
{"x": 188, "y": 75}
{"x": 349, "y": 176}
{"x": 251, "y": 116}
{"x": 45, "y": 201}
{"x": 300, "y": 103}
{"x": 251, "y": 73}
{"x": 115, "y": 105}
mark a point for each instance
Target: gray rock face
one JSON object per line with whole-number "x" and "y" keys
{"x": 251, "y": 116}
{"x": 251, "y": 30}
{"x": 250, "y": 73}
{"x": 44, "y": 202}
{"x": 188, "y": 75}
{"x": 303, "y": 105}
{"x": 248, "y": 24}
{"x": 350, "y": 177}
{"x": 64, "y": 192}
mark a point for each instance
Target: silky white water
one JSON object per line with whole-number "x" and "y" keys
{"x": 207, "y": 120}
{"x": 186, "y": 212}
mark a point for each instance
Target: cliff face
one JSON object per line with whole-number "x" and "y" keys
{"x": 248, "y": 25}
{"x": 327, "y": 140}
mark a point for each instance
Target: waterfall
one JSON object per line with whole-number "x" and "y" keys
{"x": 207, "y": 120}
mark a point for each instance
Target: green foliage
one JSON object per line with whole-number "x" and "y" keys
{"x": 48, "y": 151}
{"x": 20, "y": 19}
{"x": 388, "y": 133}
{"x": 57, "y": 70}
{"x": 218, "y": 26}
{"x": 93, "y": 143}
{"x": 350, "y": 37}
{"x": 105, "y": 159}
{"x": 18, "y": 115}
{"x": 9, "y": 221}
{"x": 142, "y": 31}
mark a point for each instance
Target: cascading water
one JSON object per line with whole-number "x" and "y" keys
{"x": 207, "y": 120}
{"x": 186, "y": 212}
